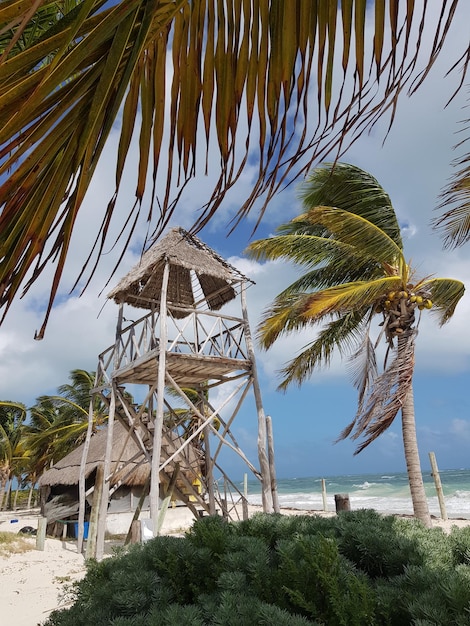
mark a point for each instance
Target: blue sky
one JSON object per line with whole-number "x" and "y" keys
{"x": 413, "y": 165}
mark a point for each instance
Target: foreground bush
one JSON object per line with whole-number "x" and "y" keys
{"x": 356, "y": 569}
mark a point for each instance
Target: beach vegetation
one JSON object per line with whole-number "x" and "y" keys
{"x": 12, "y": 543}
{"x": 209, "y": 87}
{"x": 359, "y": 291}
{"x": 357, "y": 568}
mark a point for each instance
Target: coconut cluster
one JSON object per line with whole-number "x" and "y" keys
{"x": 398, "y": 308}
{"x": 411, "y": 299}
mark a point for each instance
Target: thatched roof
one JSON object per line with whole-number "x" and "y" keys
{"x": 188, "y": 257}
{"x": 67, "y": 470}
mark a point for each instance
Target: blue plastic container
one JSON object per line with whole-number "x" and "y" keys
{"x": 85, "y": 530}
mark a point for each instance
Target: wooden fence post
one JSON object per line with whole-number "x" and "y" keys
{"x": 323, "y": 494}
{"x": 437, "y": 482}
{"x": 41, "y": 533}
{"x": 342, "y": 502}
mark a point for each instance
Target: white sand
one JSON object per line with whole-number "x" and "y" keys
{"x": 34, "y": 583}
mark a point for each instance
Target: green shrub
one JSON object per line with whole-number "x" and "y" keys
{"x": 321, "y": 583}
{"x": 371, "y": 542}
{"x": 358, "y": 568}
{"x": 459, "y": 540}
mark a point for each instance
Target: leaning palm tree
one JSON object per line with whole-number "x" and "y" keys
{"x": 279, "y": 84}
{"x": 348, "y": 241}
{"x": 58, "y": 424}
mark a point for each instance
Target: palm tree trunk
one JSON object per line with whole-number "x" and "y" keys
{"x": 7, "y": 500}
{"x": 413, "y": 465}
{"x": 30, "y": 495}
{"x": 15, "y": 500}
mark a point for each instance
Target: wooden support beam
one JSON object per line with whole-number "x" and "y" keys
{"x": 158, "y": 425}
{"x": 94, "y": 516}
{"x": 267, "y": 496}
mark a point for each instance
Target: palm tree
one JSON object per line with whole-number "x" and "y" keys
{"x": 348, "y": 241}
{"x": 297, "y": 78}
{"x": 58, "y": 424}
{"x": 13, "y": 454}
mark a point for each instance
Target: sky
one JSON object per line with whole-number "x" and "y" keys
{"x": 413, "y": 164}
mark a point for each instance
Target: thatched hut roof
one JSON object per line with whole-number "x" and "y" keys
{"x": 189, "y": 259}
{"x": 67, "y": 470}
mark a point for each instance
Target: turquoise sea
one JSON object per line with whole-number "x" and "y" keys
{"x": 386, "y": 493}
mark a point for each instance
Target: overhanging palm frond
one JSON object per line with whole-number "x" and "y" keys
{"x": 236, "y": 67}
{"x": 25, "y": 30}
{"x": 445, "y": 294}
{"x": 351, "y": 189}
{"x": 341, "y": 334}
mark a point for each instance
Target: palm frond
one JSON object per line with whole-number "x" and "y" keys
{"x": 385, "y": 399}
{"x": 351, "y": 189}
{"x": 454, "y": 223}
{"x": 343, "y": 270}
{"x": 234, "y": 67}
{"x": 341, "y": 334}
{"x": 284, "y": 315}
{"x": 363, "y": 366}
{"x": 303, "y": 249}
{"x": 369, "y": 240}
{"x": 445, "y": 294}
{"x": 348, "y": 296}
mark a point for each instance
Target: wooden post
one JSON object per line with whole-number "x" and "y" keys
{"x": 245, "y": 497}
{"x": 140, "y": 504}
{"x": 95, "y": 512}
{"x": 323, "y": 494}
{"x": 158, "y": 424}
{"x": 135, "y": 532}
{"x": 82, "y": 479}
{"x": 437, "y": 483}
{"x": 209, "y": 471}
{"x": 272, "y": 468}
{"x": 267, "y": 495}
{"x": 103, "y": 511}
{"x": 101, "y": 529}
{"x": 342, "y": 502}
{"x": 41, "y": 533}
{"x": 166, "y": 501}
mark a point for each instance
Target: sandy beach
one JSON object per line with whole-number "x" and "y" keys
{"x": 34, "y": 583}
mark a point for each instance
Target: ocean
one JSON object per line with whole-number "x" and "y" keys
{"x": 386, "y": 493}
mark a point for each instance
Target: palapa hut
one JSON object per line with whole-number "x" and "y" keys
{"x": 129, "y": 482}
{"x": 59, "y": 485}
{"x": 174, "y": 340}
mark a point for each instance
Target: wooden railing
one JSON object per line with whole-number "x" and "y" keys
{"x": 200, "y": 334}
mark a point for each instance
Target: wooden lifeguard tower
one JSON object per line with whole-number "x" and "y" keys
{"x": 179, "y": 354}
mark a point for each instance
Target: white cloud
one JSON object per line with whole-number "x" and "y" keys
{"x": 460, "y": 428}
